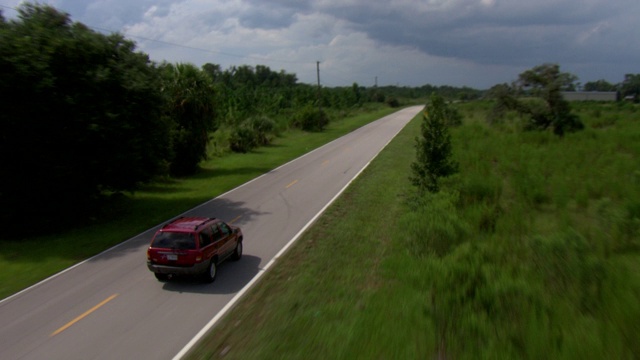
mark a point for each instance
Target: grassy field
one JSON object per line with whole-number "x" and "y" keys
{"x": 26, "y": 261}
{"x": 531, "y": 251}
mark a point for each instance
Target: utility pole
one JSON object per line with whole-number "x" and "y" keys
{"x": 318, "y": 71}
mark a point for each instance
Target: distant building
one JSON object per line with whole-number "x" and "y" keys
{"x": 590, "y": 95}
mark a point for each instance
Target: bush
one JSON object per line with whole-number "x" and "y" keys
{"x": 251, "y": 133}
{"x": 264, "y": 127}
{"x": 243, "y": 139}
{"x": 311, "y": 119}
{"x": 393, "y": 102}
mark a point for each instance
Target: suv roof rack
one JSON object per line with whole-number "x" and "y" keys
{"x": 197, "y": 225}
{"x": 203, "y": 222}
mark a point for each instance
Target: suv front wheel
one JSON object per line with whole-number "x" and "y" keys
{"x": 212, "y": 270}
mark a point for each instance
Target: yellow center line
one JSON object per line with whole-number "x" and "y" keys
{"x": 291, "y": 184}
{"x": 85, "y": 314}
{"x": 235, "y": 219}
{"x": 325, "y": 162}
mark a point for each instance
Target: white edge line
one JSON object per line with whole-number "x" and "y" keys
{"x": 262, "y": 271}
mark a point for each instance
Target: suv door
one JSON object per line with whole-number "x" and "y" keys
{"x": 228, "y": 241}
{"x": 218, "y": 240}
{"x": 207, "y": 247}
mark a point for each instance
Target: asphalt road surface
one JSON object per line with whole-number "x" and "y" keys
{"x": 112, "y": 307}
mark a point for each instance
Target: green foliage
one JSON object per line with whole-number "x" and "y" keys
{"x": 243, "y": 138}
{"x": 548, "y": 109}
{"x": 393, "y": 102}
{"x": 265, "y": 128}
{"x": 600, "y": 85}
{"x": 244, "y": 90}
{"x": 310, "y": 118}
{"x": 432, "y": 225}
{"x": 477, "y": 307}
{"x": 547, "y": 280}
{"x": 190, "y": 105}
{"x": 570, "y": 267}
{"x": 251, "y": 133}
{"x": 85, "y": 116}
{"x": 433, "y": 147}
{"x": 631, "y": 86}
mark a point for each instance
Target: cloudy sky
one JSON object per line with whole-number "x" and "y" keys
{"x": 476, "y": 43}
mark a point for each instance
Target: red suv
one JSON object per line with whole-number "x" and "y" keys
{"x": 193, "y": 246}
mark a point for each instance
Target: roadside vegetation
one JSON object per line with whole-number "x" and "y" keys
{"x": 531, "y": 250}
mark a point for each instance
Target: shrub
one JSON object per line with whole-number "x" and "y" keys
{"x": 251, "y": 133}
{"x": 393, "y": 102}
{"x": 264, "y": 128}
{"x": 311, "y": 119}
{"x": 243, "y": 139}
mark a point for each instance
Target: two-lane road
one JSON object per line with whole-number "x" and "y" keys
{"x": 111, "y": 306}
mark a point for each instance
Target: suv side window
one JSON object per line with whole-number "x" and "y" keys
{"x": 206, "y": 237}
{"x": 217, "y": 234}
{"x": 225, "y": 229}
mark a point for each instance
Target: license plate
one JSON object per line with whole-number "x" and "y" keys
{"x": 172, "y": 257}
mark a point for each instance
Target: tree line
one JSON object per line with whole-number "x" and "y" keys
{"x": 628, "y": 88}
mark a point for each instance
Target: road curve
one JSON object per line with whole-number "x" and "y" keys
{"x": 111, "y": 306}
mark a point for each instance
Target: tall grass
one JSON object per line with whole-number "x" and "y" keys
{"x": 531, "y": 251}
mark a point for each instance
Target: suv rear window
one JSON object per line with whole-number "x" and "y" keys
{"x": 174, "y": 240}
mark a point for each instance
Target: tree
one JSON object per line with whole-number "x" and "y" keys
{"x": 83, "y": 116}
{"x": 631, "y": 86}
{"x": 189, "y": 94}
{"x": 213, "y": 70}
{"x": 433, "y": 147}
{"x": 600, "y": 85}
{"x": 547, "y": 109}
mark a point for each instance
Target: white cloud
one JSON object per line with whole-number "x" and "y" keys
{"x": 408, "y": 42}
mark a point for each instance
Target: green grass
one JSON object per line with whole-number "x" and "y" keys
{"x": 29, "y": 260}
{"x": 531, "y": 251}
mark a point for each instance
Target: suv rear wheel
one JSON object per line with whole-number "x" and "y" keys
{"x": 161, "y": 277}
{"x": 210, "y": 275}
{"x": 237, "y": 253}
